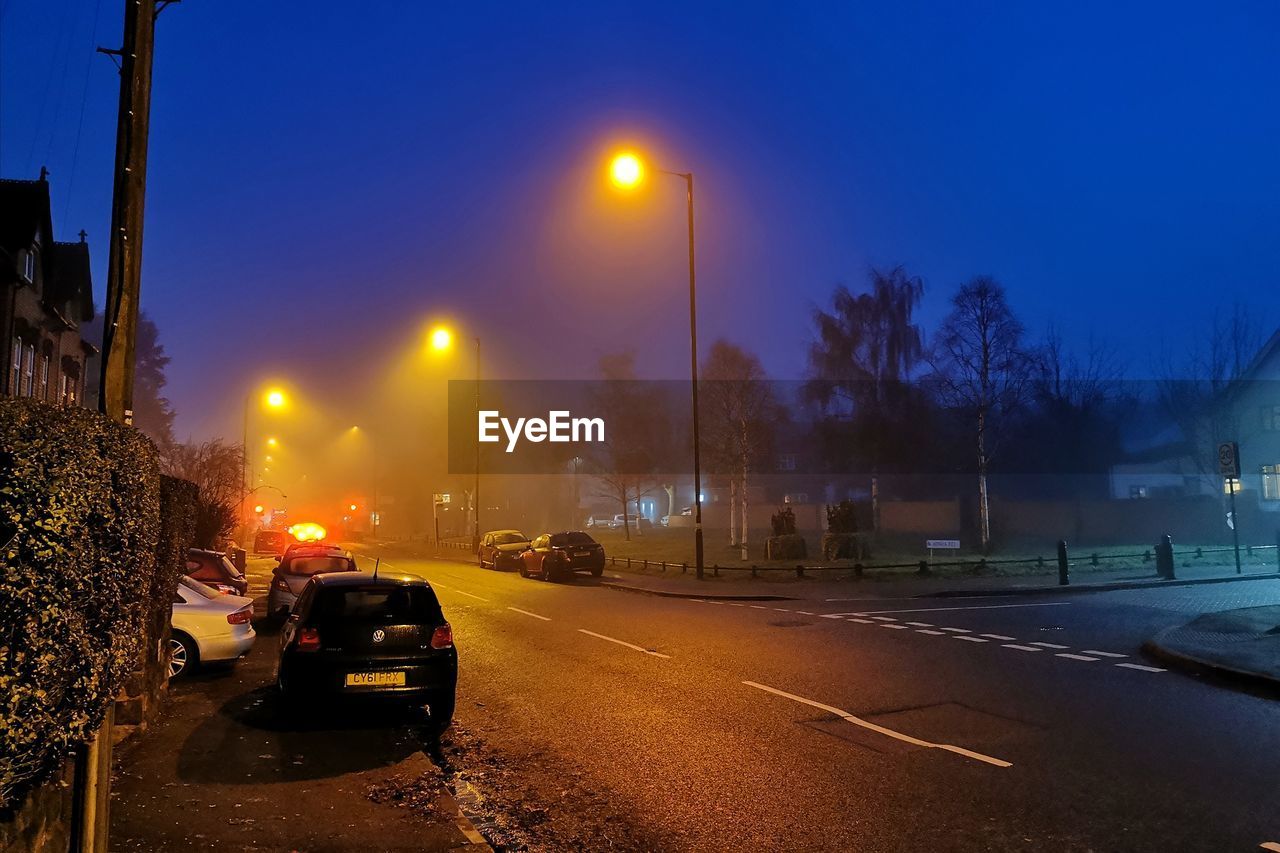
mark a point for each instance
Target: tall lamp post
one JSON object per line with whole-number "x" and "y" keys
{"x": 441, "y": 339}
{"x": 272, "y": 399}
{"x": 627, "y": 171}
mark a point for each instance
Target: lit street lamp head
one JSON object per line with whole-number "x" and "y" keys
{"x": 626, "y": 171}
{"x": 441, "y": 339}
{"x": 275, "y": 399}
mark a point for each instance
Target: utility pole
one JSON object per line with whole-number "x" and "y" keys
{"x": 124, "y": 264}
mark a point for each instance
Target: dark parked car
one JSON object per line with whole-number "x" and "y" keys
{"x": 553, "y": 556}
{"x": 298, "y": 565}
{"x": 271, "y": 542}
{"x": 357, "y": 634}
{"x": 502, "y": 549}
{"x": 212, "y": 568}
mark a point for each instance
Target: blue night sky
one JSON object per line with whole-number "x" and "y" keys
{"x": 327, "y": 178}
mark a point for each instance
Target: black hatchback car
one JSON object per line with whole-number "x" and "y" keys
{"x": 356, "y": 634}
{"x": 553, "y": 556}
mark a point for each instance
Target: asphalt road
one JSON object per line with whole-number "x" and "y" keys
{"x": 590, "y": 718}
{"x": 871, "y": 724}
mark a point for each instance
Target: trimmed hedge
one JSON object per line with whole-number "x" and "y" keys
{"x": 80, "y": 495}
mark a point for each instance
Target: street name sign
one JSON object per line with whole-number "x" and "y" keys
{"x": 942, "y": 544}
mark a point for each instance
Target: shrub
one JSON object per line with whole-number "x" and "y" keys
{"x": 842, "y": 517}
{"x": 784, "y": 522}
{"x": 79, "y": 495}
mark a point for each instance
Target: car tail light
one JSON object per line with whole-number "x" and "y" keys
{"x": 280, "y": 584}
{"x": 308, "y": 639}
{"x": 223, "y": 588}
{"x": 442, "y": 637}
{"x": 241, "y": 616}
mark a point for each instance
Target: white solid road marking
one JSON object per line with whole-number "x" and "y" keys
{"x": 997, "y": 637}
{"x": 858, "y": 721}
{"x": 1050, "y": 645}
{"x": 1074, "y": 657}
{"x": 1104, "y": 654}
{"x": 623, "y": 643}
{"x": 934, "y": 633}
{"x": 527, "y": 613}
{"x": 969, "y": 639}
{"x": 1142, "y": 668}
{"x": 975, "y": 607}
{"x": 1022, "y": 648}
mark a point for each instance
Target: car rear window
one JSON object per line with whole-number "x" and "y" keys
{"x": 382, "y": 606}
{"x": 575, "y": 538}
{"x": 318, "y": 565}
{"x": 231, "y": 569}
{"x": 508, "y": 539}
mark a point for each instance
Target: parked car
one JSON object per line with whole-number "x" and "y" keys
{"x": 502, "y": 548}
{"x": 356, "y": 634}
{"x": 299, "y": 565}
{"x": 553, "y": 556}
{"x": 215, "y": 569}
{"x": 271, "y": 542}
{"x": 208, "y": 626}
{"x": 635, "y": 522}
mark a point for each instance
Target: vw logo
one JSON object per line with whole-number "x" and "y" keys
{"x": 379, "y": 635}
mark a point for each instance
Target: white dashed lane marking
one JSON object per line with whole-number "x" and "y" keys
{"x": 858, "y": 721}
{"x": 1141, "y": 668}
{"x": 527, "y": 613}
{"x": 1074, "y": 657}
{"x": 997, "y": 637}
{"x": 968, "y": 639}
{"x": 930, "y": 632}
{"x": 921, "y": 624}
{"x": 891, "y": 625}
{"x": 1022, "y": 648}
{"x": 957, "y": 630}
{"x": 632, "y": 646}
{"x": 1104, "y": 654}
{"x": 1049, "y": 645}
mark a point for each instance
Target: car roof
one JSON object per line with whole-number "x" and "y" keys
{"x": 206, "y": 551}
{"x": 341, "y": 579}
{"x": 492, "y": 532}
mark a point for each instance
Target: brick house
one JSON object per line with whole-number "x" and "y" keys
{"x": 46, "y": 294}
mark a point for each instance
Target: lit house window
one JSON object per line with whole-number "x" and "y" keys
{"x": 1271, "y": 482}
{"x": 1271, "y": 418}
{"x": 786, "y": 462}
{"x": 1231, "y": 484}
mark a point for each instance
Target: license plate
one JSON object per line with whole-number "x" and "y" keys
{"x": 375, "y": 679}
{"x": 582, "y": 553}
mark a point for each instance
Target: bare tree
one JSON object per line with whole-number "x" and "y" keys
{"x": 741, "y": 410}
{"x": 983, "y": 370}
{"x": 214, "y": 466}
{"x": 867, "y": 348}
{"x": 1192, "y": 384}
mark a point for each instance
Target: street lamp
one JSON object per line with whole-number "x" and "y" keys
{"x": 272, "y": 399}
{"x": 626, "y": 171}
{"x": 441, "y": 340}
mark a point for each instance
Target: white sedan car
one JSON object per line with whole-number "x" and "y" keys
{"x": 208, "y": 626}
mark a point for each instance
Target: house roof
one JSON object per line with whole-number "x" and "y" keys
{"x": 71, "y": 282}
{"x": 24, "y": 212}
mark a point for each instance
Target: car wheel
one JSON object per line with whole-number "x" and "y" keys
{"x": 597, "y": 572}
{"x": 183, "y": 655}
{"x": 441, "y": 706}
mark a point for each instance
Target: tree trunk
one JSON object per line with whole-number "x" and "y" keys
{"x": 671, "y": 499}
{"x": 984, "y": 505}
{"x": 875, "y": 504}
{"x": 733, "y": 504}
{"x": 626, "y": 522}
{"x": 744, "y": 512}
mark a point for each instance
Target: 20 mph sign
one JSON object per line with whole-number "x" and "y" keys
{"x": 1229, "y": 459}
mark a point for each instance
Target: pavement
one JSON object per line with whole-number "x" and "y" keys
{"x": 1242, "y": 642}
{"x": 840, "y": 716}
{"x": 223, "y": 768}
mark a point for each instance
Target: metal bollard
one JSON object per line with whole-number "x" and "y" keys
{"x": 924, "y": 568}
{"x": 684, "y": 568}
{"x": 1063, "y": 566}
{"x": 753, "y": 570}
{"x": 799, "y": 571}
{"x": 857, "y": 570}
{"x": 1164, "y": 557}
{"x": 1093, "y": 558}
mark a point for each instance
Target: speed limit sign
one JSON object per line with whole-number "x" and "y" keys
{"x": 1229, "y": 459}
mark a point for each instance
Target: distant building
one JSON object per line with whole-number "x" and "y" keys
{"x": 46, "y": 294}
